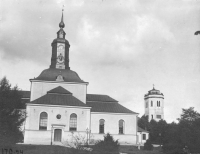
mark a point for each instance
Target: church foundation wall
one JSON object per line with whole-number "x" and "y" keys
{"x": 122, "y": 139}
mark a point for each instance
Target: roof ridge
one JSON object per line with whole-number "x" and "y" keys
{"x": 99, "y": 94}
{"x": 59, "y": 90}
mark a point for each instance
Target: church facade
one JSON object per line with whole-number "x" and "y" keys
{"x": 60, "y": 108}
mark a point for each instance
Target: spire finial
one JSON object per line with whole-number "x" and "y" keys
{"x": 61, "y": 24}
{"x": 153, "y": 86}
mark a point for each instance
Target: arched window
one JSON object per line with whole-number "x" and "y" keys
{"x": 121, "y": 126}
{"x": 73, "y": 122}
{"x": 101, "y": 126}
{"x": 43, "y": 121}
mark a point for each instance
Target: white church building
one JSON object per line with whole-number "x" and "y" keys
{"x": 60, "y": 106}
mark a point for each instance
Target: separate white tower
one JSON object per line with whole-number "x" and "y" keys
{"x": 154, "y": 104}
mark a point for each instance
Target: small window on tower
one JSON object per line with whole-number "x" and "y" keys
{"x": 151, "y": 103}
{"x": 158, "y": 116}
{"x": 61, "y": 34}
{"x": 158, "y": 103}
{"x": 146, "y": 104}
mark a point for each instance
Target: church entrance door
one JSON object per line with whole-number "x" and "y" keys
{"x": 57, "y": 135}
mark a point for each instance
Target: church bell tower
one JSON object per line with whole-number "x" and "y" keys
{"x": 60, "y": 49}
{"x": 154, "y": 105}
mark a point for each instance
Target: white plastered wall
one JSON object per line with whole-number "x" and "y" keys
{"x": 35, "y": 136}
{"x": 39, "y": 89}
{"x": 140, "y": 137}
{"x": 112, "y": 126}
{"x": 154, "y": 110}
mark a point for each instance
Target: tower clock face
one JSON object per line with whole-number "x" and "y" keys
{"x": 60, "y": 55}
{"x": 60, "y": 59}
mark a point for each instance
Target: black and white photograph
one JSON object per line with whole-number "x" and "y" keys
{"x": 99, "y": 76}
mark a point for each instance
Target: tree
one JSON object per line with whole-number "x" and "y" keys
{"x": 143, "y": 122}
{"x": 189, "y": 114}
{"x": 11, "y": 116}
{"x": 148, "y": 145}
{"x": 108, "y": 145}
{"x": 184, "y": 134}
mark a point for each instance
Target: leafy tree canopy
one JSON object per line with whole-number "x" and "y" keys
{"x": 189, "y": 114}
{"x": 143, "y": 122}
{"x": 11, "y": 115}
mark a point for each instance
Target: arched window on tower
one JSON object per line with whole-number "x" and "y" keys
{"x": 101, "y": 126}
{"x": 43, "y": 121}
{"x": 73, "y": 122}
{"x": 121, "y": 126}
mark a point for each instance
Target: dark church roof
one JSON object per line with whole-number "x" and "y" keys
{"x": 112, "y": 107}
{"x": 142, "y": 130}
{"x": 98, "y": 103}
{"x": 51, "y": 74}
{"x": 99, "y": 98}
{"x": 25, "y": 94}
{"x": 55, "y": 99}
{"x": 59, "y": 96}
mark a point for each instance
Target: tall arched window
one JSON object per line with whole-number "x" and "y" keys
{"x": 73, "y": 122}
{"x": 43, "y": 121}
{"x": 101, "y": 126}
{"x": 121, "y": 126}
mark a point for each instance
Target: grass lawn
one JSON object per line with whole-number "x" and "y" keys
{"x": 48, "y": 149}
{"x": 134, "y": 150}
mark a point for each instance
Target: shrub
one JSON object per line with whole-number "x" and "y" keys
{"x": 148, "y": 145}
{"x": 106, "y": 146}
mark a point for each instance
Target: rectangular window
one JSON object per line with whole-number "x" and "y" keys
{"x": 144, "y": 136}
{"x": 101, "y": 129}
{"x": 43, "y": 124}
{"x": 121, "y": 130}
{"x": 158, "y": 116}
{"x": 73, "y": 124}
{"x": 151, "y": 103}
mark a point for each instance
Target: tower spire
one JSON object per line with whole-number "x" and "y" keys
{"x": 62, "y": 24}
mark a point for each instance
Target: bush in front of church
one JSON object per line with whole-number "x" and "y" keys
{"x": 106, "y": 146}
{"x": 148, "y": 145}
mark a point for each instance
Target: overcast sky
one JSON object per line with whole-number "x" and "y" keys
{"x": 121, "y": 47}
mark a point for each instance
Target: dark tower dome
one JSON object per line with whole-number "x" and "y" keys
{"x": 53, "y": 74}
{"x": 154, "y": 92}
{"x": 62, "y": 24}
